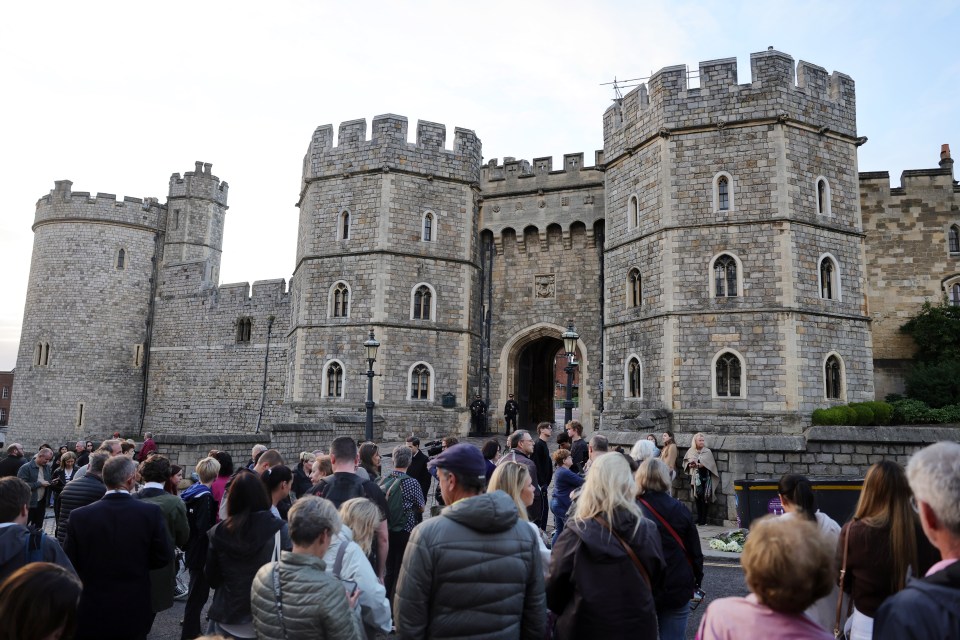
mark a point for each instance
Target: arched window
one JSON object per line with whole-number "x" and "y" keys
{"x": 422, "y": 303}
{"x": 828, "y": 277}
{"x": 954, "y": 239}
{"x": 723, "y": 192}
{"x": 244, "y": 329}
{"x": 633, "y": 212}
{"x": 426, "y": 231}
{"x": 725, "y": 276}
{"x": 823, "y": 196}
{"x": 121, "y": 259}
{"x": 38, "y": 355}
{"x": 728, "y": 375}
{"x": 46, "y": 354}
{"x": 955, "y": 294}
{"x": 333, "y": 380}
{"x": 635, "y": 288}
{"x": 420, "y": 377}
{"x": 634, "y": 378}
{"x": 343, "y": 225}
{"x": 340, "y": 300}
{"x": 833, "y": 377}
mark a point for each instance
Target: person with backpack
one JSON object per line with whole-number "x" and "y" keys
{"x": 201, "y": 516}
{"x": 345, "y": 484}
{"x": 18, "y": 544}
{"x": 404, "y": 501}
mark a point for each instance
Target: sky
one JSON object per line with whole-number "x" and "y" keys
{"x": 117, "y": 96}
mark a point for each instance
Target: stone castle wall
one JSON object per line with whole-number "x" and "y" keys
{"x": 202, "y": 379}
{"x": 908, "y": 257}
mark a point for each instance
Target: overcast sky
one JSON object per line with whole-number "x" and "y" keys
{"x": 116, "y": 96}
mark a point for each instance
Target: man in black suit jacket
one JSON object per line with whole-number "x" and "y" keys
{"x": 418, "y": 471}
{"x": 113, "y": 544}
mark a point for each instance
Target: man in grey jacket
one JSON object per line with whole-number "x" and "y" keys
{"x": 36, "y": 474}
{"x": 474, "y": 570}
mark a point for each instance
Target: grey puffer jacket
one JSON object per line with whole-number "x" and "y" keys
{"x": 314, "y": 602}
{"x": 473, "y": 571}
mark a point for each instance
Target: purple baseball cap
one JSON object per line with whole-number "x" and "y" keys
{"x": 462, "y": 458}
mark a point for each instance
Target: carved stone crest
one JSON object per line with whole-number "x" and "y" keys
{"x": 546, "y": 286}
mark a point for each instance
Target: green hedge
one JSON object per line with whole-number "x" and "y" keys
{"x": 858, "y": 413}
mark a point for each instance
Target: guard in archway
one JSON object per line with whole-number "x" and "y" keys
{"x": 478, "y": 416}
{"x": 510, "y": 411}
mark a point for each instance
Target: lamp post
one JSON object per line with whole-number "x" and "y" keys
{"x": 371, "y": 345}
{"x": 570, "y": 337}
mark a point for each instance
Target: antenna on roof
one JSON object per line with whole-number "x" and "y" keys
{"x": 623, "y": 84}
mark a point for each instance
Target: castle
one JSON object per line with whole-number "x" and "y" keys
{"x": 727, "y": 269}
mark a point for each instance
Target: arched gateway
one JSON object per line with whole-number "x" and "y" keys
{"x": 531, "y": 367}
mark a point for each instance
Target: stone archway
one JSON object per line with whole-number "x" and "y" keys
{"x": 527, "y": 370}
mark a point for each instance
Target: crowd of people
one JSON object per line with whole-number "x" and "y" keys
{"x": 339, "y": 545}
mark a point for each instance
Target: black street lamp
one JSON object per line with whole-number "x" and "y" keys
{"x": 371, "y": 345}
{"x": 570, "y": 337}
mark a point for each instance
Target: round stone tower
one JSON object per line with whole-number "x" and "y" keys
{"x": 80, "y": 365}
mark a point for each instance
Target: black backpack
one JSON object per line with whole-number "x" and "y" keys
{"x": 339, "y": 489}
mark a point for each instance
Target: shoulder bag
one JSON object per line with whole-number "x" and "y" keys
{"x": 838, "y": 631}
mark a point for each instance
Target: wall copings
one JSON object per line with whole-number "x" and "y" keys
{"x": 200, "y": 183}
{"x": 64, "y": 204}
{"x": 804, "y": 92}
{"x": 388, "y": 149}
{"x": 515, "y": 175}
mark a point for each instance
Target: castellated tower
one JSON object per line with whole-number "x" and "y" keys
{"x": 81, "y": 359}
{"x": 388, "y": 241}
{"x": 734, "y": 257}
{"x": 197, "y": 204}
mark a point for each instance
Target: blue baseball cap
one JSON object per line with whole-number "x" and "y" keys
{"x": 461, "y": 458}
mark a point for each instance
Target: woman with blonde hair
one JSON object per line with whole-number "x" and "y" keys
{"x": 788, "y": 565}
{"x": 301, "y": 474}
{"x": 884, "y": 544}
{"x": 606, "y": 561}
{"x": 704, "y": 476}
{"x": 363, "y": 518}
{"x": 514, "y": 480}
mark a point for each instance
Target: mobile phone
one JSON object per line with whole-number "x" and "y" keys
{"x": 697, "y": 598}
{"x": 350, "y": 586}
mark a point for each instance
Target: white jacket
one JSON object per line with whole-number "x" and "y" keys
{"x": 373, "y": 602}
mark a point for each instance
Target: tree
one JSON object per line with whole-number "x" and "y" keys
{"x": 936, "y": 332}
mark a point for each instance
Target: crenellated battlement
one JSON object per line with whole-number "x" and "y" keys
{"x": 264, "y": 291}
{"x": 388, "y": 149}
{"x": 779, "y": 89}
{"x": 539, "y": 174}
{"x": 199, "y": 183}
{"x": 62, "y": 203}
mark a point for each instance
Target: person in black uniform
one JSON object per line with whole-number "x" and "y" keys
{"x": 510, "y": 411}
{"x": 478, "y": 415}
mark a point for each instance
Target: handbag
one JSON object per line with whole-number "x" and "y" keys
{"x": 838, "y": 631}
{"x": 629, "y": 550}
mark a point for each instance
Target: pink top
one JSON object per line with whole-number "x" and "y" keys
{"x": 218, "y": 488}
{"x": 735, "y": 618}
{"x": 940, "y": 566}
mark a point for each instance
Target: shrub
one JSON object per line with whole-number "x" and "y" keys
{"x": 937, "y": 384}
{"x": 862, "y": 414}
{"x": 825, "y": 416}
{"x": 910, "y": 412}
{"x": 882, "y": 411}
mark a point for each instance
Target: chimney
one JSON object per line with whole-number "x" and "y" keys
{"x": 946, "y": 162}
